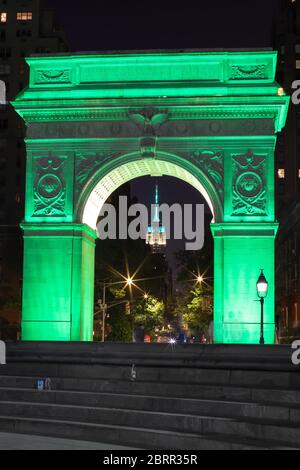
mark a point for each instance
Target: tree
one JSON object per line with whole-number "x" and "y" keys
{"x": 149, "y": 314}
{"x": 119, "y": 326}
{"x": 195, "y": 303}
{"x": 199, "y": 311}
{"x": 194, "y": 308}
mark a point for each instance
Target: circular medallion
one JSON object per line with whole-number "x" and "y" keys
{"x": 181, "y": 128}
{"x": 49, "y": 186}
{"x": 249, "y": 184}
{"x": 215, "y": 127}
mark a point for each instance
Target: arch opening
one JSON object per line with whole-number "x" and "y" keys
{"x": 126, "y": 172}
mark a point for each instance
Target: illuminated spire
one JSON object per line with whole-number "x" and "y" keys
{"x": 156, "y": 206}
{"x": 156, "y": 235}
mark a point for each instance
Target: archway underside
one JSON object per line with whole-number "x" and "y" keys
{"x": 129, "y": 171}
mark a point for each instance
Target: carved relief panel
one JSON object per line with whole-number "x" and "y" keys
{"x": 249, "y": 185}
{"x": 59, "y": 76}
{"x": 86, "y": 165}
{"x": 212, "y": 165}
{"x": 51, "y": 192}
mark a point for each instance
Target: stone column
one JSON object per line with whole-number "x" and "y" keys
{"x": 58, "y": 282}
{"x": 241, "y": 250}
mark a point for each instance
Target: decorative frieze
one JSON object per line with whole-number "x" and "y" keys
{"x": 248, "y": 72}
{"x": 138, "y": 127}
{"x": 53, "y": 76}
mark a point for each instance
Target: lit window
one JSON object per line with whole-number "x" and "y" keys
{"x": 24, "y": 16}
{"x": 298, "y": 173}
{"x": 3, "y": 17}
{"x": 281, "y": 173}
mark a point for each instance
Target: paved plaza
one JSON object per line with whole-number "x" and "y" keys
{"x": 10, "y": 441}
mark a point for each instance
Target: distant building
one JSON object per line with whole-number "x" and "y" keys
{"x": 287, "y": 42}
{"x": 26, "y": 27}
{"x": 156, "y": 234}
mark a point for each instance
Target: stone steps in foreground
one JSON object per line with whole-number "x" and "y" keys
{"x": 132, "y": 436}
{"x": 285, "y": 414}
{"x": 247, "y": 428}
{"x": 189, "y": 398}
{"x": 205, "y": 391}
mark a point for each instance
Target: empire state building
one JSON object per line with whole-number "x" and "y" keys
{"x": 156, "y": 233}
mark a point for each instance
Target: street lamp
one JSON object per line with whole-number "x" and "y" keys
{"x": 262, "y": 292}
{"x": 200, "y": 279}
{"x": 129, "y": 281}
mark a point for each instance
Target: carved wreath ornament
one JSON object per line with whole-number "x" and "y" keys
{"x": 49, "y": 192}
{"x": 249, "y": 185}
{"x": 53, "y": 76}
{"x": 239, "y": 72}
{"x": 49, "y": 186}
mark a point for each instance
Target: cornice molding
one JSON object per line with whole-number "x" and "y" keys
{"x": 246, "y": 111}
{"x": 132, "y": 145}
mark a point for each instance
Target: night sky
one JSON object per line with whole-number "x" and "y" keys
{"x": 95, "y": 25}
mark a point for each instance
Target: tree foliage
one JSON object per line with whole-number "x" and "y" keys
{"x": 149, "y": 314}
{"x": 119, "y": 326}
{"x": 195, "y": 309}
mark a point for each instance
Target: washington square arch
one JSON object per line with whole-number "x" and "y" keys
{"x": 96, "y": 121}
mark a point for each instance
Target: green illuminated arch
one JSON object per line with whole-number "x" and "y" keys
{"x": 95, "y": 121}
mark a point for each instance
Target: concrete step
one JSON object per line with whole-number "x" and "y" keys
{"x": 278, "y": 396}
{"x": 192, "y": 356}
{"x": 230, "y": 409}
{"x": 184, "y": 375}
{"x": 176, "y": 422}
{"x": 219, "y": 397}
{"x": 143, "y": 438}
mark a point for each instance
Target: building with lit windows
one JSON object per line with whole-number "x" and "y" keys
{"x": 287, "y": 42}
{"x": 26, "y": 27}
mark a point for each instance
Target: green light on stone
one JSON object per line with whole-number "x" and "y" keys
{"x": 221, "y": 112}
{"x": 58, "y": 283}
